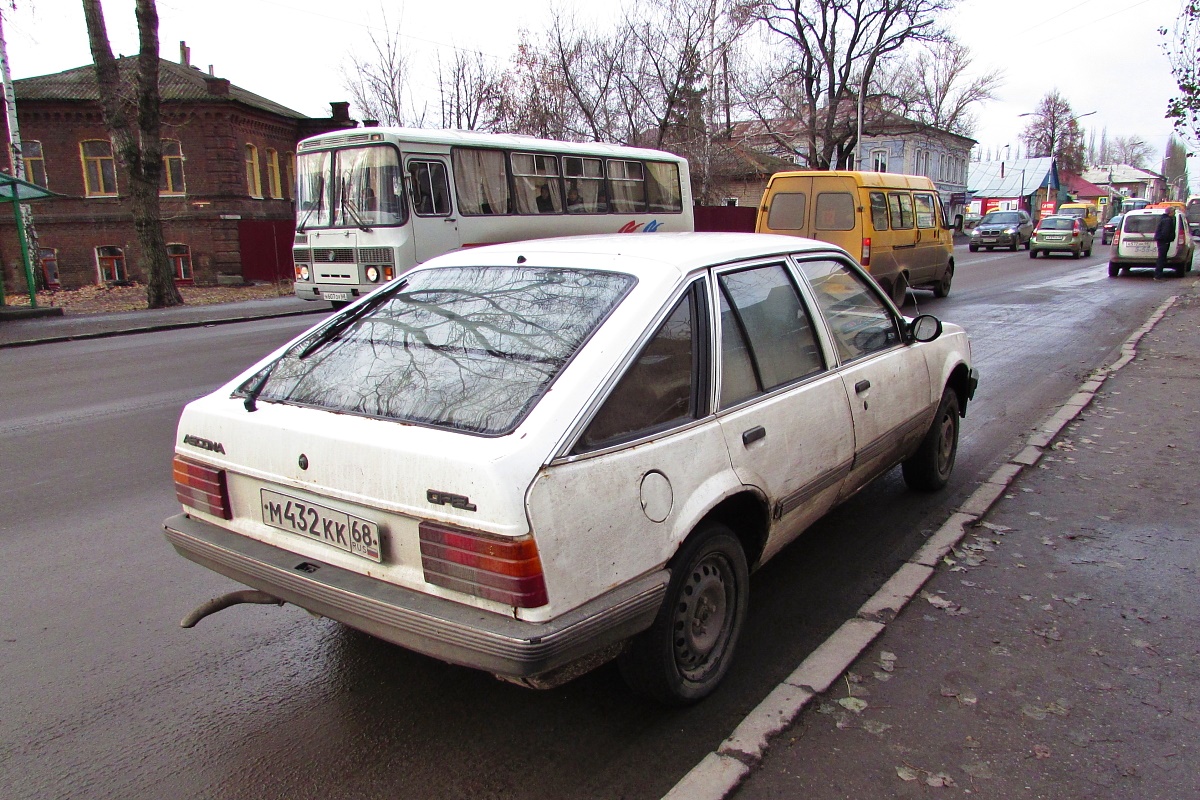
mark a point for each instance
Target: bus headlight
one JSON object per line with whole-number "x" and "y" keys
{"x": 373, "y": 274}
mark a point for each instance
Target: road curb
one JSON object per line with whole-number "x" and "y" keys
{"x": 720, "y": 772}
{"x": 165, "y": 326}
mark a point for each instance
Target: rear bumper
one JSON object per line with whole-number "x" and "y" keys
{"x": 431, "y": 625}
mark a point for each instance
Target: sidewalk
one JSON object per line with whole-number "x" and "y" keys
{"x": 19, "y": 332}
{"x": 1054, "y": 652}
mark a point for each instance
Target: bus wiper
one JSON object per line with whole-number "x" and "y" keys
{"x": 349, "y": 208}
{"x": 317, "y": 207}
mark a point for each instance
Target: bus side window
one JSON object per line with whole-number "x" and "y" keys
{"x": 481, "y": 181}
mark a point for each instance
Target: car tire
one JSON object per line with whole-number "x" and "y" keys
{"x": 974, "y": 248}
{"x": 900, "y": 290}
{"x": 1074, "y": 254}
{"x": 1028, "y": 243}
{"x": 942, "y": 287}
{"x": 1016, "y": 245}
{"x": 1088, "y": 253}
{"x": 1114, "y": 270}
{"x": 929, "y": 468}
{"x": 1033, "y": 253}
{"x": 682, "y": 657}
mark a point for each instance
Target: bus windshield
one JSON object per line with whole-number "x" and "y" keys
{"x": 356, "y": 187}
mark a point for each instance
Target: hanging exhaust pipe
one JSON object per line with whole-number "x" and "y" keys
{"x": 227, "y": 600}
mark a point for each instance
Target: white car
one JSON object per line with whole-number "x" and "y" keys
{"x": 534, "y": 457}
{"x": 1133, "y": 243}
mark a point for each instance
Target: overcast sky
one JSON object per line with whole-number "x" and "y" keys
{"x": 1103, "y": 56}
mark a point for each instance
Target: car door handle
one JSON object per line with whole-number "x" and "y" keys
{"x": 753, "y": 435}
{"x": 862, "y": 386}
{"x": 450, "y": 219}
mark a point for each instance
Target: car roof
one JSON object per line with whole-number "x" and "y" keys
{"x": 682, "y": 251}
{"x": 1145, "y": 212}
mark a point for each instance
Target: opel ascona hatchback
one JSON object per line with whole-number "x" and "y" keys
{"x": 533, "y": 458}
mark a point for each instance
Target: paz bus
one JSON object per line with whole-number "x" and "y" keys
{"x": 371, "y": 203}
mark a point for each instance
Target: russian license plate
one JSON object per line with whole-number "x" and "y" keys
{"x": 1141, "y": 247}
{"x": 340, "y": 296}
{"x": 343, "y": 531}
{"x": 1054, "y": 238}
{"x": 987, "y": 239}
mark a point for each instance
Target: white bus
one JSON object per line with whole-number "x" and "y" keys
{"x": 373, "y": 202}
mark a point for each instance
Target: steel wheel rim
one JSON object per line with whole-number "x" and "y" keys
{"x": 703, "y": 616}
{"x": 946, "y": 442}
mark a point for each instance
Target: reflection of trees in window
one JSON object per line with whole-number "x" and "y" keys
{"x": 657, "y": 390}
{"x": 464, "y": 348}
{"x": 35, "y": 162}
{"x": 99, "y": 168}
{"x": 181, "y": 261}
{"x": 172, "y": 176}
{"x": 110, "y": 261}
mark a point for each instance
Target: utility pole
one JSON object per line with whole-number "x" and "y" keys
{"x": 18, "y": 161}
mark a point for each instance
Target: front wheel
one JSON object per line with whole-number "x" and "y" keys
{"x": 928, "y": 469}
{"x": 974, "y": 248}
{"x": 686, "y": 652}
{"x": 1016, "y": 244}
{"x": 1028, "y": 243}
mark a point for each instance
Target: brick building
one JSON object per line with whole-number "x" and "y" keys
{"x": 226, "y": 192}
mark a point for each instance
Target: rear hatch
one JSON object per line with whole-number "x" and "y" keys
{"x": 1137, "y": 236}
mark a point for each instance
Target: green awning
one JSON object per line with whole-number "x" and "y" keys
{"x": 23, "y": 190}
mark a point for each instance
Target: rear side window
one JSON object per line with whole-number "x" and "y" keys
{"x": 835, "y": 211}
{"x": 466, "y": 348}
{"x": 879, "y": 211}
{"x": 900, "y": 210}
{"x": 658, "y": 391}
{"x": 767, "y": 337}
{"x": 787, "y": 211}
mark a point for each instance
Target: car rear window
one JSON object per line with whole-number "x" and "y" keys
{"x": 1141, "y": 223}
{"x": 1059, "y": 224}
{"x": 465, "y": 348}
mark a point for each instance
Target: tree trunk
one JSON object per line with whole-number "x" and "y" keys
{"x": 140, "y": 150}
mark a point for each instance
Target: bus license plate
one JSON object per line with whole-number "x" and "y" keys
{"x": 343, "y": 531}
{"x": 338, "y": 296}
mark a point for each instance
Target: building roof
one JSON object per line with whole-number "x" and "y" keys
{"x": 175, "y": 83}
{"x": 1119, "y": 173}
{"x": 1076, "y": 185}
{"x": 1015, "y": 177}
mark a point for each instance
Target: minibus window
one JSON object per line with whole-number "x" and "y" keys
{"x": 901, "y": 210}
{"x": 835, "y": 211}
{"x": 787, "y": 211}
{"x": 879, "y": 212}
{"x": 481, "y": 181}
{"x": 924, "y": 203}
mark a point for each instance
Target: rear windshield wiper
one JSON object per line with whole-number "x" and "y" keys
{"x": 319, "y": 339}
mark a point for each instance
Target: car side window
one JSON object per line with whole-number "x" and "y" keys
{"x": 879, "y": 211}
{"x": 658, "y": 390}
{"x": 859, "y": 320}
{"x": 767, "y": 337}
{"x": 924, "y": 205}
{"x": 900, "y": 207}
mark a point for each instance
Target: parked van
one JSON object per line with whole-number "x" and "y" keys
{"x": 1085, "y": 211}
{"x": 893, "y": 224}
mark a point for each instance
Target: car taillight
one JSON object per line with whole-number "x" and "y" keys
{"x": 1075, "y": 226}
{"x": 866, "y": 252}
{"x": 498, "y": 568}
{"x": 201, "y": 487}
{"x": 1116, "y": 240}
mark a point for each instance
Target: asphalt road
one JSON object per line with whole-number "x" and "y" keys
{"x": 102, "y": 695}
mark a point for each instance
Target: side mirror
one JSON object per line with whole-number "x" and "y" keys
{"x": 925, "y": 328}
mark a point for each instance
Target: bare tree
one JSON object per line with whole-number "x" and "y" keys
{"x": 131, "y": 114}
{"x": 1055, "y": 131}
{"x": 472, "y": 92}
{"x": 935, "y": 87}
{"x": 833, "y": 49}
{"x": 1174, "y": 169}
{"x": 1131, "y": 150}
{"x": 378, "y": 81}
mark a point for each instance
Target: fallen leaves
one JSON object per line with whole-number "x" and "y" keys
{"x": 111, "y": 299}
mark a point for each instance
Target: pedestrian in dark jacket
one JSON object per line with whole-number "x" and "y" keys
{"x": 1164, "y": 234}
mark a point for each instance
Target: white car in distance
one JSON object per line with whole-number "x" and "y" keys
{"x": 535, "y": 457}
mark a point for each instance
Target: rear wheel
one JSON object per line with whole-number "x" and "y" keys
{"x": 900, "y": 289}
{"x": 929, "y": 468}
{"x": 686, "y": 652}
{"x": 942, "y": 287}
{"x": 1028, "y": 243}
{"x": 1114, "y": 270}
{"x": 1033, "y": 253}
{"x": 1088, "y": 252}
{"x": 1074, "y": 254}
